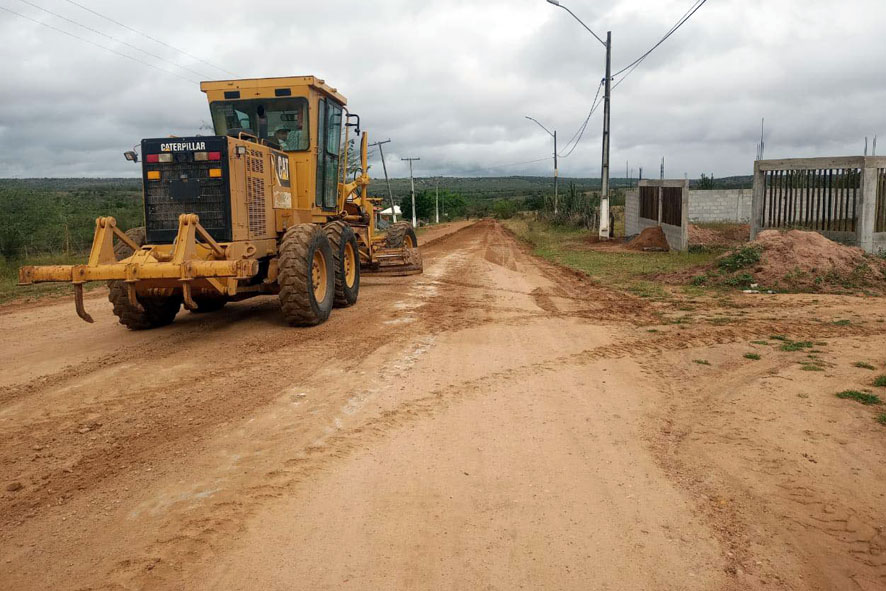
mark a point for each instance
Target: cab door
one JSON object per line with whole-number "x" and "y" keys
{"x": 328, "y": 146}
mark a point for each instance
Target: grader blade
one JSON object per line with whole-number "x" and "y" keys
{"x": 396, "y": 262}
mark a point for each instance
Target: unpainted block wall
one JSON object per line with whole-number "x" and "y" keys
{"x": 718, "y": 205}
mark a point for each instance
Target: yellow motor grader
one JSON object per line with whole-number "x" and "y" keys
{"x": 265, "y": 206}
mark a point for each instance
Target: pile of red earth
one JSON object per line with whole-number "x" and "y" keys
{"x": 807, "y": 261}
{"x": 719, "y": 235}
{"x": 649, "y": 239}
{"x": 792, "y": 261}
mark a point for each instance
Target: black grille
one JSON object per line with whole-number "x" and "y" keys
{"x": 185, "y": 187}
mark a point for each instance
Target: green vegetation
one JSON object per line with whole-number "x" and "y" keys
{"x": 701, "y": 361}
{"x": 789, "y": 345}
{"x": 811, "y": 367}
{"x": 881, "y": 418}
{"x": 752, "y": 356}
{"x": 862, "y": 397}
{"x": 841, "y": 322}
{"x": 880, "y": 381}
{"x": 778, "y": 337}
{"x": 863, "y": 365}
{"x": 627, "y": 271}
{"x": 759, "y": 342}
{"x": 740, "y": 258}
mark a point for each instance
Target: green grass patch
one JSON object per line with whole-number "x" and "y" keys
{"x": 740, "y": 258}
{"x": 862, "y": 397}
{"x": 777, "y": 337}
{"x": 863, "y": 365}
{"x": 811, "y": 367}
{"x": 759, "y": 342}
{"x": 626, "y": 271}
{"x": 9, "y": 290}
{"x": 841, "y": 322}
{"x": 753, "y": 356}
{"x": 789, "y": 345}
{"x": 701, "y": 361}
{"x": 880, "y": 381}
{"x": 881, "y": 418}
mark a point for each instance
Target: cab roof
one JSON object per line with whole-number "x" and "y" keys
{"x": 261, "y": 85}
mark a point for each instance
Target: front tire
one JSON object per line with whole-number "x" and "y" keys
{"x": 347, "y": 262}
{"x": 155, "y": 311}
{"x": 306, "y": 275}
{"x": 401, "y": 235}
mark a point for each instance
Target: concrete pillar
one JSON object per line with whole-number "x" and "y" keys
{"x": 684, "y": 221}
{"x": 758, "y": 200}
{"x": 867, "y": 209}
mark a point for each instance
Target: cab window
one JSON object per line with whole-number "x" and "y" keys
{"x": 329, "y": 124}
{"x": 282, "y": 121}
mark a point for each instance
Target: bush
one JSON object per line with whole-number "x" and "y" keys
{"x": 739, "y": 259}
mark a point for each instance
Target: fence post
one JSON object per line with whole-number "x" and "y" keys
{"x": 868, "y": 211}
{"x": 660, "y": 191}
{"x": 758, "y": 200}
{"x": 684, "y": 218}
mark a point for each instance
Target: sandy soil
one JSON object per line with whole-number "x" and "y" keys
{"x": 495, "y": 423}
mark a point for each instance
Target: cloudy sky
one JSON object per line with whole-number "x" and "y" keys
{"x": 450, "y": 81}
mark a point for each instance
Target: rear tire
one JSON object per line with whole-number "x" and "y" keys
{"x": 401, "y": 235}
{"x": 347, "y": 262}
{"x": 155, "y": 312}
{"x": 306, "y": 275}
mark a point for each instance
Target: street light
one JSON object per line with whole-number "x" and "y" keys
{"x": 556, "y": 173}
{"x": 605, "y": 230}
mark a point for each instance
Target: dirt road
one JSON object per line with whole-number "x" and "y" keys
{"x": 495, "y": 423}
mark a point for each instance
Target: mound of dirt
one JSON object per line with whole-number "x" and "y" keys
{"x": 649, "y": 239}
{"x": 719, "y": 235}
{"x": 807, "y": 261}
{"x": 792, "y": 261}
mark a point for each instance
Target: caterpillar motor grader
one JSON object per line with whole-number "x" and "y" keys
{"x": 265, "y": 206}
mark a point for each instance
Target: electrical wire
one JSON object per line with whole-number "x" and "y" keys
{"x": 584, "y": 126}
{"x": 69, "y": 34}
{"x": 145, "y": 35}
{"x": 686, "y": 16}
{"x": 82, "y": 26}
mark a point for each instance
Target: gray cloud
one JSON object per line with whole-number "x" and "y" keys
{"x": 451, "y": 80}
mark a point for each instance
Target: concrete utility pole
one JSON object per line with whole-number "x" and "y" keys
{"x": 605, "y": 230}
{"x": 412, "y": 184}
{"x": 662, "y": 168}
{"x": 388, "y": 182}
{"x": 553, "y": 134}
{"x": 437, "y": 202}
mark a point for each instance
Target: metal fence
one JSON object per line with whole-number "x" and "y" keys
{"x": 880, "y": 223}
{"x": 662, "y": 203}
{"x": 672, "y": 206}
{"x": 649, "y": 203}
{"x": 842, "y": 198}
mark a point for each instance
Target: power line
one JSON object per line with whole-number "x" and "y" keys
{"x": 69, "y": 34}
{"x": 82, "y": 26}
{"x": 584, "y": 126}
{"x": 686, "y": 16}
{"x": 145, "y": 35}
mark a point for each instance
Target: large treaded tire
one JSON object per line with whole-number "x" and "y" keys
{"x": 297, "y": 298}
{"x": 155, "y": 312}
{"x": 340, "y": 235}
{"x": 397, "y": 233}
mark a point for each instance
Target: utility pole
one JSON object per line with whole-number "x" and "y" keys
{"x": 662, "y": 168}
{"x": 437, "y": 202}
{"x": 605, "y": 230}
{"x": 412, "y": 184}
{"x": 385, "y": 168}
{"x": 553, "y": 134}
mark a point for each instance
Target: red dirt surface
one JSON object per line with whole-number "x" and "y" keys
{"x": 649, "y": 239}
{"x": 805, "y": 261}
{"x": 719, "y": 234}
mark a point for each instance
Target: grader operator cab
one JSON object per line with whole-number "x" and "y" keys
{"x": 263, "y": 207}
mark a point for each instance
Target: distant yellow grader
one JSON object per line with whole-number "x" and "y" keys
{"x": 262, "y": 207}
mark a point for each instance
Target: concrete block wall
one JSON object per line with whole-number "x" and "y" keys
{"x": 717, "y": 205}
{"x": 721, "y": 205}
{"x": 677, "y": 236}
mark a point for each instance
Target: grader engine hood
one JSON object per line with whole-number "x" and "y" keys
{"x": 186, "y": 175}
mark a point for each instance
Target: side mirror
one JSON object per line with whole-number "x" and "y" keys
{"x": 130, "y": 155}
